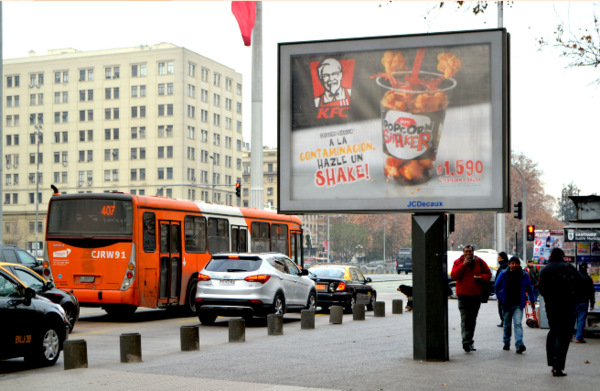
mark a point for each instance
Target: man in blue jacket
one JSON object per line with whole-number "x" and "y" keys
{"x": 512, "y": 285}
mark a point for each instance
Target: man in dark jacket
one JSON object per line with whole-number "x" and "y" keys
{"x": 512, "y": 287}
{"x": 502, "y": 265}
{"x": 585, "y": 298}
{"x": 469, "y": 272}
{"x": 558, "y": 284}
{"x": 534, "y": 275}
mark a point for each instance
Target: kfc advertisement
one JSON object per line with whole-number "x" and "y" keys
{"x": 415, "y": 123}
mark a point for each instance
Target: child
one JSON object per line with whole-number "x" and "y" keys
{"x": 408, "y": 292}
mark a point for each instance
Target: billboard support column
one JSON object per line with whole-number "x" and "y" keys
{"x": 430, "y": 303}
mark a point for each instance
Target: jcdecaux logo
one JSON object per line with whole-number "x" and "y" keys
{"x": 421, "y": 204}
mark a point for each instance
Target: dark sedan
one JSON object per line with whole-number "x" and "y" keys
{"x": 342, "y": 285}
{"x": 31, "y": 326}
{"x": 44, "y": 288}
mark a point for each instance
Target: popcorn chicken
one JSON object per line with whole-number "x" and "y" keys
{"x": 393, "y": 61}
{"x": 449, "y": 64}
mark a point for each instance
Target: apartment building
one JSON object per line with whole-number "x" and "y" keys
{"x": 143, "y": 120}
{"x": 316, "y": 225}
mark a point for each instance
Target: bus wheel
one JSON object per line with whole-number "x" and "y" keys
{"x": 191, "y": 298}
{"x": 120, "y": 310}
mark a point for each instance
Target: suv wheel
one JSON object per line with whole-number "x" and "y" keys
{"x": 278, "y": 305}
{"x": 207, "y": 318}
{"x": 312, "y": 302}
{"x": 46, "y": 354}
{"x": 191, "y": 298}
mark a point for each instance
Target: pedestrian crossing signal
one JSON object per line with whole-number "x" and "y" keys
{"x": 530, "y": 233}
{"x": 238, "y": 189}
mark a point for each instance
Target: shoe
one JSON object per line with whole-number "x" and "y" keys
{"x": 500, "y": 325}
{"x": 580, "y": 341}
{"x": 466, "y": 347}
{"x": 472, "y": 347}
{"x": 506, "y": 346}
{"x": 558, "y": 373}
{"x": 521, "y": 349}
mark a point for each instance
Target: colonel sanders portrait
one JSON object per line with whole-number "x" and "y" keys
{"x": 330, "y": 75}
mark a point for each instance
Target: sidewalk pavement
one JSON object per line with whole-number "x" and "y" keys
{"x": 371, "y": 355}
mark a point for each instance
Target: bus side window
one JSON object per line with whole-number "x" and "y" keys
{"x": 149, "y": 221}
{"x": 261, "y": 242}
{"x": 279, "y": 238}
{"x": 195, "y": 234}
{"x": 218, "y": 235}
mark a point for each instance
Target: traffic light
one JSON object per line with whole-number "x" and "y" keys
{"x": 518, "y": 210}
{"x": 238, "y": 189}
{"x": 530, "y": 233}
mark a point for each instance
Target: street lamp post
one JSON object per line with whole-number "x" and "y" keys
{"x": 212, "y": 196}
{"x": 37, "y": 134}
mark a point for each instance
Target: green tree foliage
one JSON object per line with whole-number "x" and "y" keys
{"x": 566, "y": 207}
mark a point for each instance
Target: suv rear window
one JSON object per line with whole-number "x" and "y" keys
{"x": 233, "y": 265}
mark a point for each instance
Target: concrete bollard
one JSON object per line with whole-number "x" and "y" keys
{"x": 190, "y": 338}
{"x": 131, "y": 347}
{"x": 275, "y": 324}
{"x": 379, "y": 309}
{"x": 237, "y": 330}
{"x": 397, "y": 306}
{"x": 358, "y": 312}
{"x": 75, "y": 354}
{"x": 308, "y": 320}
{"x": 336, "y": 314}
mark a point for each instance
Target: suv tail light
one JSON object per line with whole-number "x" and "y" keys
{"x": 262, "y": 278}
{"x": 203, "y": 277}
{"x": 341, "y": 286}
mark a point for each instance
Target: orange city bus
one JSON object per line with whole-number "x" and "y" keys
{"x": 119, "y": 251}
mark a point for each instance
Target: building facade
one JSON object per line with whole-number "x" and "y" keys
{"x": 146, "y": 120}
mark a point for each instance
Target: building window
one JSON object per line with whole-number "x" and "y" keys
{"x": 134, "y": 91}
{"x": 239, "y": 126}
{"x": 216, "y": 119}
{"x": 169, "y": 88}
{"x": 169, "y": 109}
{"x": 191, "y": 132}
{"x": 217, "y": 100}
{"x": 107, "y": 93}
{"x": 191, "y": 153}
{"x": 227, "y": 103}
{"x": 142, "y": 91}
{"x": 161, "y": 110}
{"x": 161, "y": 152}
{"x": 204, "y": 75}
{"x": 134, "y": 174}
{"x": 239, "y": 145}
{"x": 161, "y": 173}
{"x": 228, "y": 83}
{"x": 239, "y": 108}
{"x": 204, "y": 135}
{"x": 238, "y": 164}
{"x": 239, "y": 89}
{"x": 161, "y": 68}
{"x": 161, "y": 89}
{"x": 216, "y": 139}
{"x": 217, "y": 80}
{"x": 227, "y": 123}
{"x": 142, "y": 174}
{"x": 191, "y": 69}
{"x": 191, "y": 91}
{"x": 191, "y": 111}
{"x": 170, "y": 68}
{"x": 204, "y": 95}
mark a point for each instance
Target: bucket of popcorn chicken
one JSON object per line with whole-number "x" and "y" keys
{"x": 413, "y": 110}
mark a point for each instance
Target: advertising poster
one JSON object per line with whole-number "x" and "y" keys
{"x": 397, "y": 123}
{"x": 545, "y": 241}
{"x": 583, "y": 248}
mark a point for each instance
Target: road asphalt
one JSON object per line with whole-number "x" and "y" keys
{"x": 371, "y": 355}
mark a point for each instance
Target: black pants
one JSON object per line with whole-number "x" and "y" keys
{"x": 469, "y": 309}
{"x": 500, "y": 312}
{"x": 562, "y": 322}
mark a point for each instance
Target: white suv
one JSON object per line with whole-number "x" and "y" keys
{"x": 252, "y": 285}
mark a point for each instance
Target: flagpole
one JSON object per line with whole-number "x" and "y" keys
{"x": 256, "y": 146}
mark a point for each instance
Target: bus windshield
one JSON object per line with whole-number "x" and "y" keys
{"x": 90, "y": 217}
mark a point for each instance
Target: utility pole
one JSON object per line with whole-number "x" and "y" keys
{"x": 384, "y": 240}
{"x": 37, "y": 133}
{"x": 524, "y": 214}
{"x": 1, "y": 122}
{"x": 256, "y": 154}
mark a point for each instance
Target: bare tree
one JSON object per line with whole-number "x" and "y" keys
{"x": 566, "y": 207}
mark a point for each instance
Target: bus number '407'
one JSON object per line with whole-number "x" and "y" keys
{"x": 108, "y": 210}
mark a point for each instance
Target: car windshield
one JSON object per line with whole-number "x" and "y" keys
{"x": 328, "y": 272}
{"x": 233, "y": 265}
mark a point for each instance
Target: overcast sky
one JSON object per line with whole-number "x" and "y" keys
{"x": 554, "y": 110}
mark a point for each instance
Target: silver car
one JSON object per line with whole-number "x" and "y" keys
{"x": 252, "y": 285}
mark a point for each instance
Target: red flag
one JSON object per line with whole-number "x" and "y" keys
{"x": 245, "y": 13}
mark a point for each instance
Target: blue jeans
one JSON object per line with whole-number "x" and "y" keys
{"x": 514, "y": 313}
{"x": 581, "y": 312}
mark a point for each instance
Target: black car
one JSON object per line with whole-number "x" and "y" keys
{"x": 14, "y": 254}
{"x": 44, "y": 288}
{"x": 404, "y": 262}
{"x": 342, "y": 285}
{"x": 30, "y": 325}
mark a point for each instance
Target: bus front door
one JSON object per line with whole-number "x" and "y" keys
{"x": 170, "y": 262}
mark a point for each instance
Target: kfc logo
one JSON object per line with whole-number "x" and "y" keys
{"x": 332, "y": 86}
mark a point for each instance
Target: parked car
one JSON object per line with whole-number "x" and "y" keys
{"x": 377, "y": 267}
{"x": 46, "y": 289}
{"x": 32, "y": 326}
{"x": 10, "y": 253}
{"x": 252, "y": 285}
{"x": 342, "y": 285}
{"x": 404, "y": 262}
{"x": 452, "y": 283}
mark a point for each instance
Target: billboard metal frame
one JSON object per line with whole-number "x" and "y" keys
{"x": 499, "y": 41}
